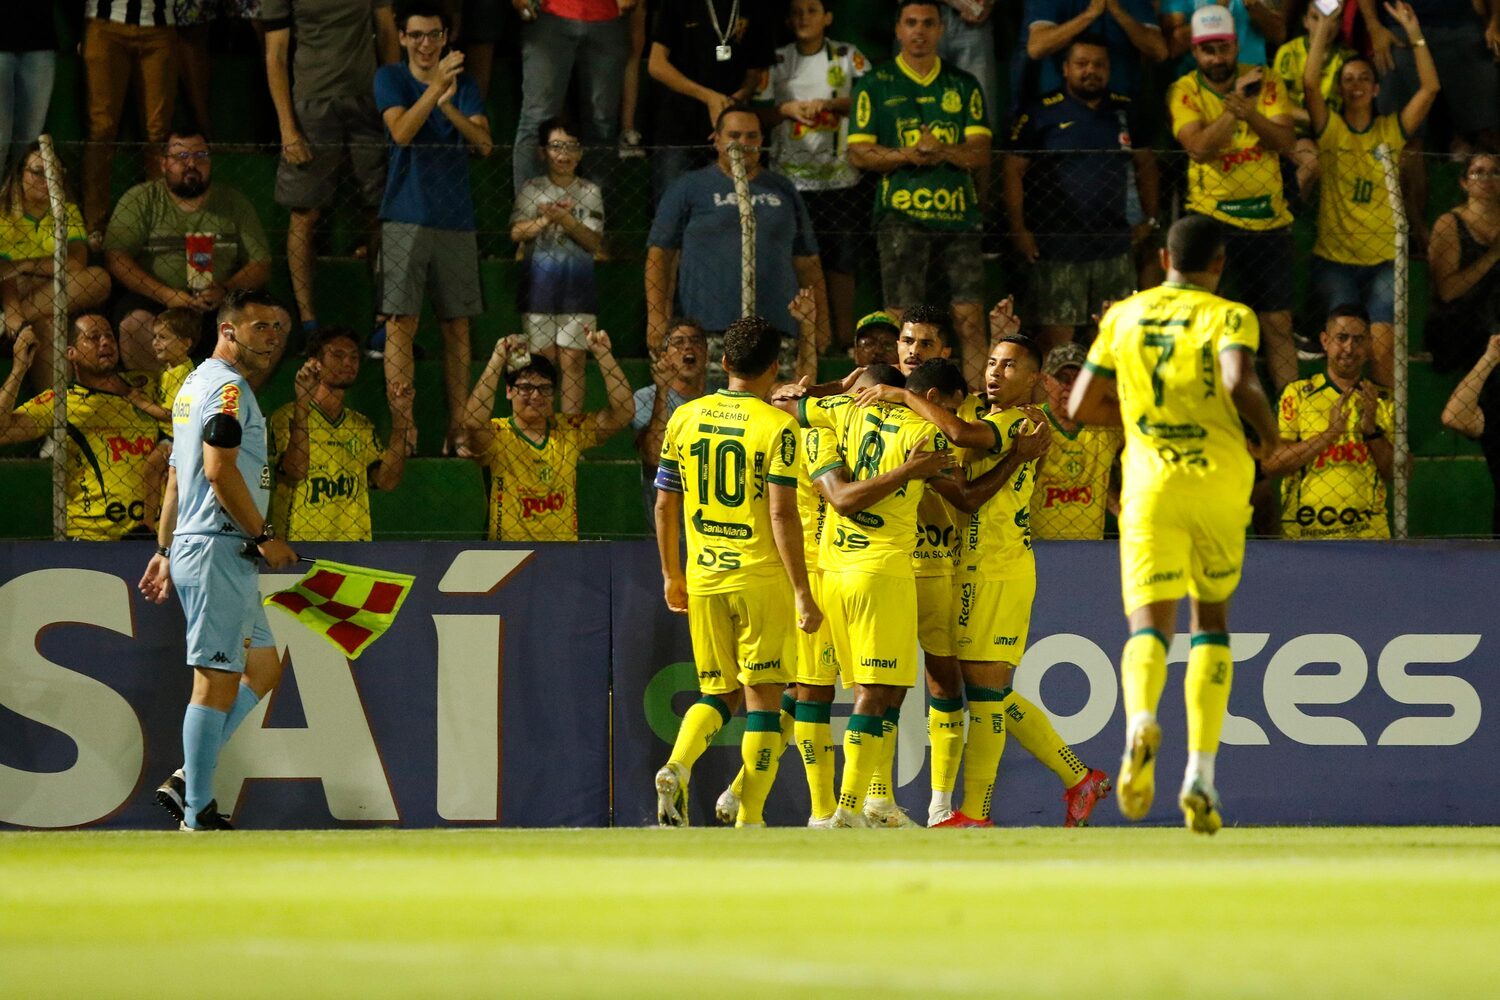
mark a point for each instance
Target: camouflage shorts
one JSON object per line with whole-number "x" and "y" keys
{"x": 907, "y": 256}
{"x": 1072, "y": 293}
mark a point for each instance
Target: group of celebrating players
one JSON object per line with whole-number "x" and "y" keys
{"x": 897, "y": 505}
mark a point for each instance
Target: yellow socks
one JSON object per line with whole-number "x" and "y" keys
{"x": 788, "y": 710}
{"x": 815, "y": 743}
{"x": 945, "y": 731}
{"x": 760, "y": 749}
{"x": 1143, "y": 673}
{"x": 1034, "y": 731}
{"x": 1210, "y": 672}
{"x": 881, "y": 779}
{"x": 702, "y": 722}
{"x": 863, "y": 745}
{"x": 982, "y": 752}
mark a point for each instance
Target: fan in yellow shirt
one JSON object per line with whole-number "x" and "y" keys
{"x": 1176, "y": 365}
{"x": 1075, "y": 482}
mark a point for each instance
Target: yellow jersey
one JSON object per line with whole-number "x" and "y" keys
{"x": 1072, "y": 481}
{"x": 722, "y": 452}
{"x": 1182, "y": 431}
{"x": 1340, "y": 493}
{"x": 332, "y": 502}
{"x": 109, "y": 441}
{"x": 995, "y": 541}
{"x": 877, "y": 439}
{"x": 1241, "y": 186}
{"x": 936, "y": 545}
{"x": 1355, "y": 221}
{"x": 533, "y": 486}
{"x": 25, "y": 238}
{"x": 167, "y": 384}
{"x": 812, "y": 505}
{"x": 1291, "y": 60}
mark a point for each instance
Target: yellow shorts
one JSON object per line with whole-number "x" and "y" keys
{"x": 873, "y": 621}
{"x": 1171, "y": 545}
{"x": 935, "y": 614}
{"x": 743, "y": 637}
{"x": 992, "y": 618}
{"x": 817, "y": 661}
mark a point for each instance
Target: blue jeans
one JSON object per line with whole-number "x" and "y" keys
{"x": 1372, "y": 286}
{"x": 25, "y": 93}
{"x": 551, "y": 49}
{"x": 971, "y": 47}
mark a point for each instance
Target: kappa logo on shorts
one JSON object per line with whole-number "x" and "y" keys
{"x": 218, "y": 658}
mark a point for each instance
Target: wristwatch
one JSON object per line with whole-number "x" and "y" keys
{"x": 163, "y": 550}
{"x": 267, "y": 532}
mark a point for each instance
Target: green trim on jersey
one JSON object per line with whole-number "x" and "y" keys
{"x": 1089, "y": 366}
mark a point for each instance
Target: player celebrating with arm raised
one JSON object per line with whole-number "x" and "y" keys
{"x": 218, "y": 491}
{"x": 728, "y": 476}
{"x": 1176, "y": 363}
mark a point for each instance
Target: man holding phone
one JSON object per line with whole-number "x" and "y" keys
{"x": 1235, "y": 121}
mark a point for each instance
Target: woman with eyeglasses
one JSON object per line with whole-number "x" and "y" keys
{"x": 27, "y": 244}
{"x": 1463, "y": 259}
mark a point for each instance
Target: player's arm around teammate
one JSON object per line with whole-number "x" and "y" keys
{"x": 850, "y": 496}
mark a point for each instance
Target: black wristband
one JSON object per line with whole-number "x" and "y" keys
{"x": 163, "y": 550}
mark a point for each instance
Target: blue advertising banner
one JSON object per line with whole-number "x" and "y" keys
{"x": 1362, "y": 673}
{"x": 499, "y": 657}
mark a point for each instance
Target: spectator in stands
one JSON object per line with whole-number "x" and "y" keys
{"x": 1260, "y": 26}
{"x": 1291, "y": 60}
{"x": 434, "y": 115}
{"x": 27, "y": 243}
{"x": 1065, "y": 193}
{"x": 807, "y": 97}
{"x": 28, "y": 62}
{"x": 327, "y": 456}
{"x": 326, "y": 114}
{"x": 478, "y": 28}
{"x": 1456, "y": 36}
{"x": 1353, "y": 260}
{"x": 125, "y": 40}
{"x": 1336, "y": 451}
{"x": 968, "y": 43}
{"x": 109, "y": 441}
{"x": 181, "y": 240}
{"x": 1078, "y": 478}
{"x": 590, "y": 37}
{"x": 694, "y": 245}
{"x": 630, "y": 87}
{"x": 1474, "y": 411}
{"x": 1126, "y": 28}
{"x": 194, "y": 69}
{"x": 922, "y": 125}
{"x": 558, "y": 221}
{"x": 679, "y": 372}
{"x": 707, "y": 55}
{"x": 531, "y": 459}
{"x": 1463, "y": 261}
{"x": 1235, "y": 123}
{"x": 875, "y": 341}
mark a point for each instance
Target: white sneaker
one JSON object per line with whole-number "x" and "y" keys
{"x": 885, "y": 813}
{"x": 826, "y": 823}
{"x": 630, "y": 145}
{"x": 727, "y": 808}
{"x": 671, "y": 796}
{"x": 847, "y": 819}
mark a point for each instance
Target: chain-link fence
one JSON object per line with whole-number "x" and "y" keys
{"x": 444, "y": 373}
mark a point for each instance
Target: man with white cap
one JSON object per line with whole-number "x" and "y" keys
{"x": 1235, "y": 121}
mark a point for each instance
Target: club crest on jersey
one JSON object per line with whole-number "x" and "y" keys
{"x": 976, "y": 105}
{"x": 230, "y": 401}
{"x": 952, "y": 103}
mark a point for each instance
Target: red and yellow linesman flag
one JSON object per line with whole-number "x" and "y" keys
{"x": 350, "y": 606}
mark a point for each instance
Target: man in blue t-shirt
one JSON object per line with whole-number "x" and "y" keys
{"x": 214, "y": 513}
{"x": 1067, "y": 172}
{"x": 694, "y": 244}
{"x": 1127, "y": 28}
{"x": 434, "y": 115}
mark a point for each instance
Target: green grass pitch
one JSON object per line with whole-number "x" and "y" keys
{"x": 1147, "y": 912}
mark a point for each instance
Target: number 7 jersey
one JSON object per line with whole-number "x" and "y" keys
{"x": 722, "y": 452}
{"x": 1182, "y": 431}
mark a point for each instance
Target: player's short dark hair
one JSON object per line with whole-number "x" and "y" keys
{"x": 238, "y": 301}
{"x": 901, "y": 6}
{"x": 539, "y": 364}
{"x": 1194, "y": 242}
{"x": 421, "y": 8}
{"x": 1029, "y": 345}
{"x": 751, "y": 346}
{"x": 75, "y": 325}
{"x": 182, "y": 323}
{"x": 929, "y": 316}
{"x": 881, "y": 374}
{"x": 1349, "y": 310}
{"x": 557, "y": 123}
{"x": 737, "y": 108}
{"x": 937, "y": 373}
{"x": 327, "y": 335}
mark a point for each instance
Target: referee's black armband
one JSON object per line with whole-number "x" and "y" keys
{"x": 222, "y": 431}
{"x": 276, "y": 24}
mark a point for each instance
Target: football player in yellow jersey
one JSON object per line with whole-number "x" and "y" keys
{"x": 110, "y": 442}
{"x": 1176, "y": 365}
{"x": 1074, "y": 481}
{"x": 728, "y": 476}
{"x": 1353, "y": 259}
{"x": 1336, "y": 451}
{"x": 531, "y": 460}
{"x": 325, "y": 454}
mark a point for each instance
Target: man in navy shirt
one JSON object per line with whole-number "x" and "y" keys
{"x": 1066, "y": 179}
{"x": 694, "y": 244}
{"x": 434, "y": 114}
{"x": 1127, "y": 28}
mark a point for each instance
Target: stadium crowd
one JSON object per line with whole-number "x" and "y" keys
{"x": 1279, "y": 111}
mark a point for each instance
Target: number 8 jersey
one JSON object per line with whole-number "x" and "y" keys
{"x": 1182, "y": 431}
{"x": 722, "y": 452}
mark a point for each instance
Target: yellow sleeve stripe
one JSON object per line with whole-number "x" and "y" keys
{"x": 860, "y": 137}
{"x": 968, "y": 131}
